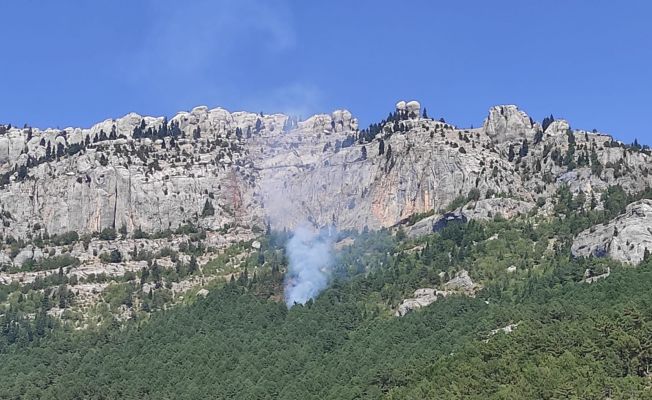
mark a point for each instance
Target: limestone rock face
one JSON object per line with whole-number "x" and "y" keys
{"x": 624, "y": 239}
{"x": 557, "y": 127}
{"x": 28, "y": 253}
{"x": 589, "y": 277}
{"x": 482, "y": 210}
{"x": 218, "y": 169}
{"x": 488, "y": 209}
{"x": 508, "y": 123}
{"x": 413, "y": 108}
{"x": 461, "y": 283}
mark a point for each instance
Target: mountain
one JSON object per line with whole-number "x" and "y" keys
{"x": 154, "y": 174}
{"x": 151, "y": 183}
{"x": 455, "y": 252}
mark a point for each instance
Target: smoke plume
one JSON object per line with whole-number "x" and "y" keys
{"x": 310, "y": 264}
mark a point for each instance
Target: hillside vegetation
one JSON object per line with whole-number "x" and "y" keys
{"x": 569, "y": 339}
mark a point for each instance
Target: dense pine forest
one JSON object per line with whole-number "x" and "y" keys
{"x": 570, "y": 339}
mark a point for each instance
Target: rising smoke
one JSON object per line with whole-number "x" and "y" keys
{"x": 310, "y": 256}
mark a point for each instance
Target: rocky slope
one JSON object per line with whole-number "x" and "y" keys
{"x": 91, "y": 199}
{"x": 626, "y": 238}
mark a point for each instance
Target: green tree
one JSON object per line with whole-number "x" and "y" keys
{"x": 208, "y": 209}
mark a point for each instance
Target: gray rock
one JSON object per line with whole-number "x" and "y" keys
{"x": 253, "y": 169}
{"x": 506, "y": 329}
{"x": 29, "y": 252}
{"x": 422, "y": 298}
{"x": 461, "y": 281}
{"x": 488, "y": 209}
{"x": 507, "y": 123}
{"x": 624, "y": 239}
{"x": 589, "y": 278}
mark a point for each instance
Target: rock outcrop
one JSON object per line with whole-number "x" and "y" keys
{"x": 589, "y": 277}
{"x": 481, "y": 210}
{"x": 422, "y": 298}
{"x": 461, "y": 282}
{"x": 508, "y": 123}
{"x": 626, "y": 238}
{"x": 488, "y": 209}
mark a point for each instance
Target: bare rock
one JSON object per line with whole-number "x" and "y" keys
{"x": 590, "y": 278}
{"x": 29, "y": 252}
{"x": 422, "y": 298}
{"x": 625, "y": 238}
{"x": 488, "y": 209}
{"x": 506, "y": 329}
{"x": 137, "y": 172}
{"x": 506, "y": 123}
{"x": 462, "y": 281}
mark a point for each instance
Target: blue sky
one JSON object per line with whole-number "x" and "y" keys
{"x": 73, "y": 63}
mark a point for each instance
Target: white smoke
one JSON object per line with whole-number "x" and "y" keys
{"x": 310, "y": 256}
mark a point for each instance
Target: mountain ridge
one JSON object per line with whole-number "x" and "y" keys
{"x": 113, "y": 199}
{"x": 233, "y": 139}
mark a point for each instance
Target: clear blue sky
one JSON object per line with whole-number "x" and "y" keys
{"x": 73, "y": 63}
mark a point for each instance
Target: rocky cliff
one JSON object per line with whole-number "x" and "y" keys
{"x": 626, "y": 238}
{"x": 216, "y": 169}
{"x": 237, "y": 172}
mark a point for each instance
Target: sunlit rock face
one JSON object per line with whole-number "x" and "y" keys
{"x": 214, "y": 168}
{"x": 625, "y": 238}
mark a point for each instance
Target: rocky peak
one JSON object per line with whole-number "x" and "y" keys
{"x": 411, "y": 109}
{"x": 506, "y": 123}
{"x": 557, "y": 127}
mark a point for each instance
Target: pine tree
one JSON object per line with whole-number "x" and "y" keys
{"x": 144, "y": 274}
{"x": 192, "y": 265}
{"x": 547, "y": 121}
{"x": 208, "y": 209}
{"x": 524, "y": 149}
{"x": 63, "y": 296}
{"x": 571, "y": 136}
